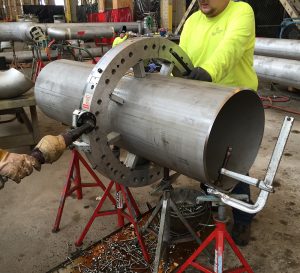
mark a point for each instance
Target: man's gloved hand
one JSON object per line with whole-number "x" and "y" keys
{"x": 199, "y": 74}
{"x": 17, "y": 166}
{"x": 52, "y": 147}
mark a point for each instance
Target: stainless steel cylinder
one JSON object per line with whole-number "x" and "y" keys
{"x": 59, "y": 88}
{"x": 188, "y": 125}
{"x": 280, "y": 48}
{"x": 181, "y": 124}
{"x": 278, "y": 70}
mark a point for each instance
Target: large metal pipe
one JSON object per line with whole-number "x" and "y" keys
{"x": 19, "y": 31}
{"x": 280, "y": 48}
{"x": 181, "y": 124}
{"x": 13, "y": 83}
{"x": 278, "y": 70}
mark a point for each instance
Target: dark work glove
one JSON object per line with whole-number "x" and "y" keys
{"x": 199, "y": 74}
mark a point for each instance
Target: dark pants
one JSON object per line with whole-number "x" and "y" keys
{"x": 239, "y": 216}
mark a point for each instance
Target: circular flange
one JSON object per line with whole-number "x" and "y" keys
{"x": 101, "y": 83}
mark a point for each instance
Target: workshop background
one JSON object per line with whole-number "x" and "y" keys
{"x": 28, "y": 210}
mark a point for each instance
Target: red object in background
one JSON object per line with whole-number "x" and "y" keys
{"x": 114, "y": 15}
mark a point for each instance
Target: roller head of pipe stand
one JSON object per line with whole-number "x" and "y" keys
{"x": 158, "y": 120}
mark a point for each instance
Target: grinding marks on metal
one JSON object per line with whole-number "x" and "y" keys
{"x": 99, "y": 91}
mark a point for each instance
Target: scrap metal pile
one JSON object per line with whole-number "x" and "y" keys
{"x": 121, "y": 253}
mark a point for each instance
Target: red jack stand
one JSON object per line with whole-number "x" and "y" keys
{"x": 124, "y": 200}
{"x": 123, "y": 196}
{"x": 220, "y": 234}
{"x": 74, "y": 177}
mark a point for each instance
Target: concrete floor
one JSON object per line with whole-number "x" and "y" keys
{"x": 28, "y": 210}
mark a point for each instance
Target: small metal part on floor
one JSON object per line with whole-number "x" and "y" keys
{"x": 15, "y": 106}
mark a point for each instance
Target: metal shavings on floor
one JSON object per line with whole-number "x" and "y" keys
{"x": 120, "y": 252}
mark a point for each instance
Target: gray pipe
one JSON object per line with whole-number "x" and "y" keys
{"x": 26, "y": 56}
{"x": 13, "y": 83}
{"x": 60, "y": 83}
{"x": 182, "y": 124}
{"x": 280, "y": 48}
{"x": 278, "y": 70}
{"x": 75, "y": 32}
{"x": 19, "y": 31}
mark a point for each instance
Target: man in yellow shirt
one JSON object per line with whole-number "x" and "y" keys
{"x": 123, "y": 37}
{"x": 220, "y": 39}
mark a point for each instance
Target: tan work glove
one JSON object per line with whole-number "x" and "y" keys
{"x": 52, "y": 147}
{"x": 17, "y": 166}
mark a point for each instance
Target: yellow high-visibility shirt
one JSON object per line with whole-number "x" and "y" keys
{"x": 223, "y": 45}
{"x": 119, "y": 40}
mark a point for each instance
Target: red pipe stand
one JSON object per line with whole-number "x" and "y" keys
{"x": 74, "y": 183}
{"x": 124, "y": 200}
{"x": 220, "y": 234}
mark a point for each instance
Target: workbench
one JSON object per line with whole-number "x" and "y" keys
{"x": 16, "y": 106}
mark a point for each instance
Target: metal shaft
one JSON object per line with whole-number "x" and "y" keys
{"x": 279, "y": 48}
{"x": 278, "y": 70}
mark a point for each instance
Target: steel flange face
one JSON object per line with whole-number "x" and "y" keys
{"x": 100, "y": 86}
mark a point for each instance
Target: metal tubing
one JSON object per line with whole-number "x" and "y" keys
{"x": 79, "y": 32}
{"x": 279, "y": 48}
{"x": 13, "y": 83}
{"x": 181, "y": 124}
{"x": 19, "y": 31}
{"x": 26, "y": 56}
{"x": 278, "y": 70}
{"x": 59, "y": 88}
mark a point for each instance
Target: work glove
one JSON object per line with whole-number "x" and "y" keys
{"x": 17, "y": 166}
{"x": 52, "y": 147}
{"x": 199, "y": 74}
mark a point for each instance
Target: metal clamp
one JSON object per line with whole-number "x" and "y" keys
{"x": 265, "y": 186}
{"x": 79, "y": 117}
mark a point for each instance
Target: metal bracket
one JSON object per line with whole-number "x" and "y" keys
{"x": 265, "y": 186}
{"x": 82, "y": 146}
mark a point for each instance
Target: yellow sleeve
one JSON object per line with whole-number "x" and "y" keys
{"x": 115, "y": 41}
{"x": 119, "y": 40}
{"x": 240, "y": 35}
{"x": 184, "y": 36}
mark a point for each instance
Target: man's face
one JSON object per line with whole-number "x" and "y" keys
{"x": 212, "y": 8}
{"x": 122, "y": 35}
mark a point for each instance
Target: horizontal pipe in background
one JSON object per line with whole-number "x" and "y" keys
{"x": 280, "y": 48}
{"x": 278, "y": 70}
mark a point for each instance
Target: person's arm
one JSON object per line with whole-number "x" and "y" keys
{"x": 184, "y": 36}
{"x": 239, "y": 34}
